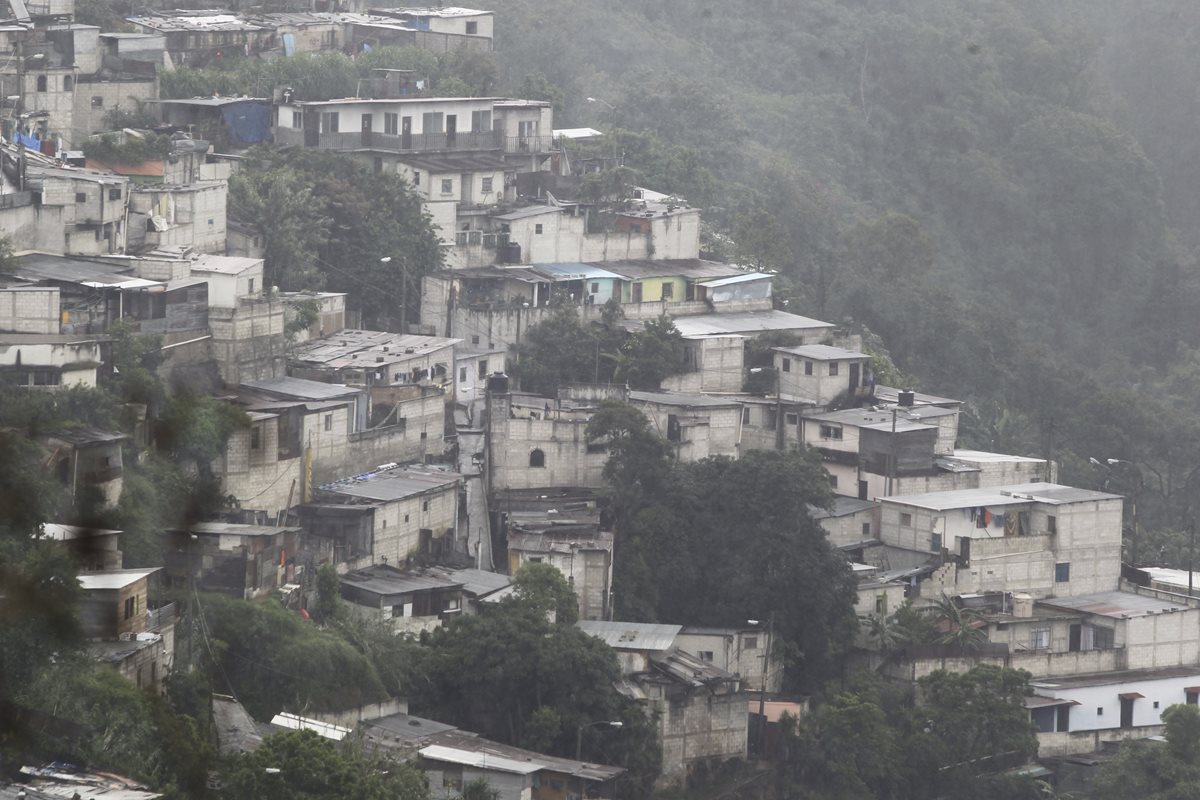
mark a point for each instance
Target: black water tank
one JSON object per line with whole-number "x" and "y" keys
{"x": 511, "y": 253}
{"x": 497, "y": 383}
{"x": 906, "y": 397}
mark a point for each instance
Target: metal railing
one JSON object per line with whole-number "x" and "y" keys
{"x": 399, "y": 143}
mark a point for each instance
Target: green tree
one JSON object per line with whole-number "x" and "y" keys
{"x": 545, "y": 588}
{"x": 282, "y": 206}
{"x": 300, "y": 764}
{"x": 274, "y": 660}
{"x": 544, "y": 681}
{"x": 651, "y": 354}
{"x": 330, "y": 607}
{"x": 1153, "y": 770}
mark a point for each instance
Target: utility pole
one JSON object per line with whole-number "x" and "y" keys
{"x": 1191, "y": 553}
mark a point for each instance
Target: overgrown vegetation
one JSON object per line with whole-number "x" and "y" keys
{"x": 327, "y": 220}
{"x": 961, "y": 180}
{"x": 323, "y": 76}
{"x": 119, "y": 148}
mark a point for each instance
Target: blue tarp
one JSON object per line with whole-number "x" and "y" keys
{"x": 248, "y": 122}
{"x": 32, "y": 142}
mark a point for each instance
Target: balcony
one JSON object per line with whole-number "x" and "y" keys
{"x": 530, "y": 144}
{"x": 489, "y": 241}
{"x": 392, "y": 143}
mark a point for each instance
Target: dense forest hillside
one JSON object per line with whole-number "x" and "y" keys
{"x": 979, "y": 184}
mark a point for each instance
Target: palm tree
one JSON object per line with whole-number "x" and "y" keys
{"x": 962, "y": 627}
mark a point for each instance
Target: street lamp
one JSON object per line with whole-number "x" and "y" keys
{"x": 762, "y": 692}
{"x": 612, "y": 723}
{"x": 1109, "y": 465}
{"x": 403, "y": 292}
{"x": 779, "y": 438}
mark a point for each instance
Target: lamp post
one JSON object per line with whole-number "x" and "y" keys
{"x": 1109, "y": 465}
{"x": 779, "y": 436}
{"x": 612, "y": 110}
{"x": 403, "y": 292}
{"x": 611, "y": 723}
{"x": 762, "y": 692}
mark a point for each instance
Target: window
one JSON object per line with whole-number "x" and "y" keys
{"x": 935, "y": 542}
{"x": 486, "y": 184}
{"x": 447, "y": 186}
{"x": 462, "y": 374}
{"x": 527, "y": 128}
{"x": 595, "y": 288}
{"x": 745, "y": 415}
{"x": 906, "y": 519}
{"x": 255, "y": 438}
{"x": 792, "y": 418}
{"x": 1102, "y": 639}
{"x": 368, "y": 120}
{"x": 114, "y": 193}
{"x": 668, "y": 291}
{"x": 808, "y": 368}
{"x": 431, "y": 122}
{"x": 833, "y": 369}
{"x": 831, "y": 432}
{"x": 474, "y": 340}
{"x": 1099, "y": 711}
{"x": 770, "y": 418}
{"x": 139, "y": 676}
{"x": 1156, "y": 704}
{"x": 1193, "y": 696}
{"x": 416, "y": 177}
{"x": 749, "y": 642}
{"x": 483, "y": 368}
{"x": 41, "y": 83}
{"x": 537, "y": 228}
{"x": 250, "y": 285}
{"x": 297, "y": 120}
{"x": 329, "y": 122}
{"x": 329, "y": 422}
{"x": 535, "y": 559}
{"x": 130, "y": 606}
{"x": 833, "y": 481}
{"x": 787, "y": 365}
{"x": 1039, "y": 638}
{"x": 425, "y": 505}
{"x": 472, "y": 29}
{"x": 537, "y": 458}
{"x": 1052, "y": 524}
{"x": 68, "y": 83}
{"x": 481, "y": 121}
{"x": 80, "y": 197}
{"x": 1062, "y": 572}
{"x": 391, "y": 123}
{"x": 881, "y": 605}
{"x": 97, "y": 101}
{"x": 705, "y": 655}
{"x": 866, "y": 530}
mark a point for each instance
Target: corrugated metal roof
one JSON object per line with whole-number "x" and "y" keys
{"x": 842, "y": 507}
{"x": 469, "y": 746}
{"x": 684, "y": 399}
{"x": 382, "y": 579}
{"x": 67, "y": 533}
{"x": 528, "y": 211}
{"x": 702, "y": 325}
{"x": 1119, "y": 605}
{"x": 456, "y": 162}
{"x": 113, "y": 579}
{"x": 394, "y": 484}
{"x": 340, "y": 349}
{"x": 235, "y": 529}
{"x": 822, "y": 352}
{"x": 631, "y": 635}
{"x": 225, "y": 265}
{"x": 303, "y": 389}
{"x": 1048, "y": 493}
{"x": 1114, "y": 678}
{"x": 479, "y": 582}
{"x": 575, "y": 271}
{"x": 749, "y": 276}
{"x": 484, "y": 761}
{"x": 672, "y": 267}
